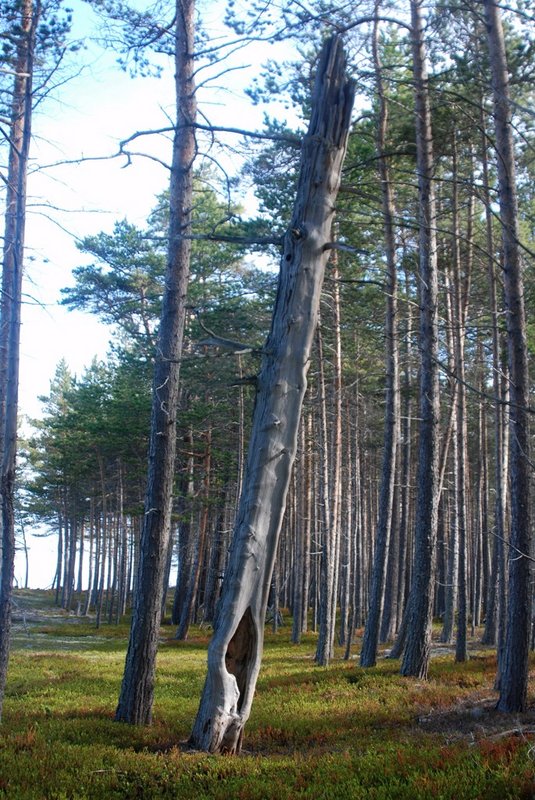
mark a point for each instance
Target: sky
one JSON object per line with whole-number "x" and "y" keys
{"x": 88, "y": 117}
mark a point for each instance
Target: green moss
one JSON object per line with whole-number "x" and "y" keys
{"x": 342, "y": 732}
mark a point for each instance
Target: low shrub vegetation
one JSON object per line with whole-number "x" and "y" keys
{"x": 336, "y": 733}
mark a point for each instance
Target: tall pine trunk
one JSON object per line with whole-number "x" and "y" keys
{"x": 495, "y": 596}
{"x": 136, "y": 698}
{"x": 418, "y": 642}
{"x": 514, "y": 664}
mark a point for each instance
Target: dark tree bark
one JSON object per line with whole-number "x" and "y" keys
{"x": 514, "y": 666}
{"x": 136, "y": 698}
{"x": 235, "y": 651}
{"x": 418, "y": 643}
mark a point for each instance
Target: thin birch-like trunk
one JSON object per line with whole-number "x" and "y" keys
{"x": 346, "y": 565}
{"x": 335, "y": 472}
{"x": 327, "y": 565}
{"x": 298, "y": 600}
{"x": 495, "y": 597}
{"x": 451, "y": 528}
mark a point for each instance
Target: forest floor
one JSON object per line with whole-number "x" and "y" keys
{"x": 326, "y": 734}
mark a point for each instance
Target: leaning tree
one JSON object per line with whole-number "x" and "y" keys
{"x": 235, "y": 651}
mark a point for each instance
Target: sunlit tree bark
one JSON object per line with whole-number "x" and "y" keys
{"x": 136, "y": 698}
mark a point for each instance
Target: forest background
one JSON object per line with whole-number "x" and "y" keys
{"x": 77, "y": 132}
{"x": 82, "y": 471}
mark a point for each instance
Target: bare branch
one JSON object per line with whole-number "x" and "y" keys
{"x": 288, "y": 138}
{"x": 372, "y": 18}
{"x": 219, "y": 341}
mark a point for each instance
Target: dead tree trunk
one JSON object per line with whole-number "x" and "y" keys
{"x": 235, "y": 651}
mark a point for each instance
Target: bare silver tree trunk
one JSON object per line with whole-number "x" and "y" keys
{"x": 235, "y": 651}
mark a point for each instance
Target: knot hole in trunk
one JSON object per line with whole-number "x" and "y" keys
{"x": 240, "y": 652}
